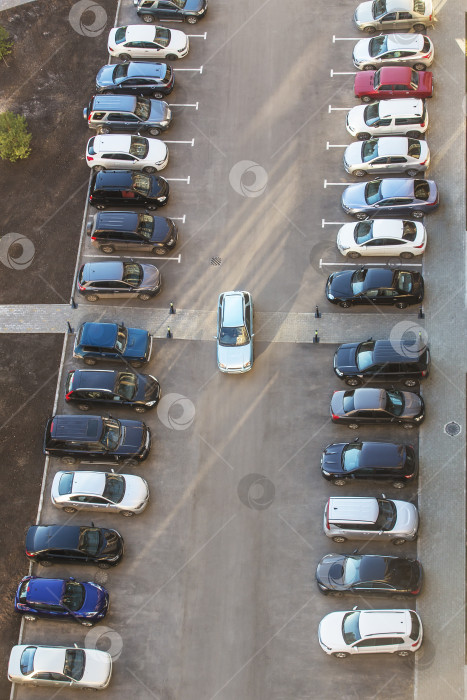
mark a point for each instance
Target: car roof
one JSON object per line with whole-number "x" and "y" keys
{"x": 397, "y": 187}
{"x": 378, "y": 277}
{"x": 146, "y": 70}
{"x": 123, "y": 103}
{"x": 112, "y": 142}
{"x": 405, "y": 106}
{"x": 393, "y": 145}
{"x": 392, "y": 228}
{"x": 45, "y": 590}
{"x": 381, "y": 454}
{"x": 99, "y": 334}
{"x": 140, "y": 32}
{"x": 94, "y": 379}
{"x": 51, "y": 659}
{"x": 117, "y": 220}
{"x": 399, "y": 5}
{"x": 405, "y": 42}
{"x": 76, "y": 427}
{"x": 397, "y": 351}
{"x": 233, "y": 309}
{"x": 101, "y": 271}
{"x": 109, "y": 179}
{"x": 90, "y": 483}
{"x": 53, "y": 536}
{"x": 369, "y": 398}
{"x": 395, "y": 74}
{"x": 378, "y": 622}
{"x": 353, "y": 510}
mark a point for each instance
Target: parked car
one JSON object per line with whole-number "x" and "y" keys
{"x": 384, "y": 15}
{"x": 398, "y": 196}
{"x": 100, "y": 491}
{"x": 235, "y": 332}
{"x": 127, "y": 188}
{"x": 126, "y": 152}
{"x": 139, "y": 41}
{"x": 413, "y": 50}
{"x": 407, "y": 116}
{"x": 83, "y": 544}
{"x": 98, "y": 280}
{"x": 96, "y": 438}
{"x": 377, "y": 286}
{"x": 61, "y": 599}
{"x": 369, "y": 574}
{"x": 367, "y": 406}
{"x": 400, "y": 237}
{"x": 393, "y": 82}
{"x": 389, "y": 154}
{"x": 136, "y": 78}
{"x": 396, "y": 360}
{"x": 350, "y": 518}
{"x": 86, "y": 387}
{"x": 343, "y": 461}
{"x": 112, "y": 341}
{"x": 190, "y": 11}
{"x": 370, "y": 632}
{"x": 129, "y": 230}
{"x": 59, "y": 667}
{"x": 127, "y": 113}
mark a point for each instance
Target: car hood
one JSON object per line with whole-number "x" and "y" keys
{"x": 364, "y": 81}
{"x": 148, "y": 388}
{"x": 413, "y": 404}
{"x": 363, "y": 12}
{"x": 331, "y": 458}
{"x": 407, "y": 518}
{"x": 136, "y": 491}
{"x": 195, "y": 5}
{"x": 234, "y": 357}
{"x": 151, "y": 277}
{"x": 104, "y": 77}
{"x": 178, "y": 40}
{"x": 159, "y": 111}
{"x": 353, "y": 153}
{"x": 329, "y": 571}
{"x": 133, "y": 436}
{"x": 96, "y": 599}
{"x": 354, "y": 196}
{"x": 361, "y": 50}
{"x": 344, "y": 358}
{"x": 159, "y": 187}
{"x": 138, "y": 342}
{"x": 345, "y": 236}
{"x": 158, "y": 151}
{"x": 98, "y": 668}
{"x": 112, "y": 543}
{"x": 356, "y": 120}
{"x": 330, "y": 630}
{"x": 339, "y": 284}
{"x": 337, "y": 403}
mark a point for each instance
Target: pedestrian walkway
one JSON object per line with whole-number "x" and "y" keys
{"x": 7, "y": 4}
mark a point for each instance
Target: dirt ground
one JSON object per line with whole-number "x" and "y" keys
{"x": 48, "y": 78}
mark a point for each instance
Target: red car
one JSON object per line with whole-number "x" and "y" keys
{"x": 397, "y": 81}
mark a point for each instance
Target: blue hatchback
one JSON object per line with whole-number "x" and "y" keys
{"x": 58, "y": 598}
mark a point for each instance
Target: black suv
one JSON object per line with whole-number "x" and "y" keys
{"x": 136, "y": 78}
{"x": 387, "y": 461}
{"x": 95, "y": 438}
{"x": 85, "y": 544}
{"x": 128, "y": 230}
{"x": 127, "y": 113}
{"x": 384, "y": 359}
{"x": 180, "y": 10}
{"x": 112, "y": 341}
{"x": 127, "y": 188}
{"x": 85, "y": 387}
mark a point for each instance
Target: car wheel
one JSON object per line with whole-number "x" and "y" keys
{"x": 401, "y": 305}
{"x": 69, "y": 509}
{"x": 353, "y": 254}
{"x": 68, "y": 460}
{"x": 103, "y": 130}
{"x": 403, "y": 652}
{"x": 92, "y": 297}
{"x": 339, "y": 539}
{"x": 369, "y": 66}
{"x": 410, "y": 382}
{"x": 419, "y": 66}
{"x": 171, "y": 57}
{"x": 83, "y": 406}
{"x": 136, "y": 364}
{"x": 352, "y": 381}
{"x": 45, "y": 562}
{"x": 370, "y": 30}
{"x": 127, "y": 513}
{"x": 398, "y": 484}
{"x": 107, "y": 249}
{"x": 353, "y": 426}
{"x": 30, "y": 618}
{"x": 412, "y": 173}
{"x": 406, "y": 255}
{"x": 398, "y": 541}
{"x": 98, "y": 169}
{"x": 408, "y": 426}
{"x": 100, "y": 206}
{"x": 417, "y": 214}
{"x": 157, "y": 95}
{"x": 148, "y": 18}
{"x": 345, "y": 304}
{"x": 359, "y": 173}
{"x": 154, "y": 131}
{"x": 419, "y": 28}
{"x": 124, "y": 57}
{"x": 339, "y": 482}
{"x": 366, "y": 98}
{"x": 90, "y": 361}
{"x": 361, "y": 216}
{"x": 103, "y": 565}
{"x": 144, "y": 296}
{"x": 414, "y": 134}
{"x": 140, "y": 409}
{"x": 149, "y": 170}
{"x": 363, "y": 136}
{"x": 340, "y": 654}
{"x": 159, "y": 250}
{"x": 191, "y": 20}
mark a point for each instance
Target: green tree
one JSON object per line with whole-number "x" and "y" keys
{"x": 6, "y": 44}
{"x": 14, "y": 137}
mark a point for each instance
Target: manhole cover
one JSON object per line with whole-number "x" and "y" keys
{"x": 101, "y": 577}
{"x": 452, "y": 428}
{"x": 216, "y": 261}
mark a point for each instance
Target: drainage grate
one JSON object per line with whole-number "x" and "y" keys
{"x": 452, "y": 428}
{"x": 216, "y": 261}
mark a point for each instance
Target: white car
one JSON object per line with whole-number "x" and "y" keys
{"x": 389, "y": 237}
{"x": 398, "y": 117}
{"x": 370, "y": 632}
{"x": 143, "y": 41}
{"x": 235, "y": 332}
{"x": 414, "y": 50}
{"x": 389, "y": 154}
{"x": 60, "y": 667}
{"x": 126, "y": 152}
{"x": 107, "y": 491}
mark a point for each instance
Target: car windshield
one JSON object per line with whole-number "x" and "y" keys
{"x": 143, "y": 108}
{"x": 365, "y": 354}
{"x": 74, "y": 664}
{"x": 394, "y": 402}
{"x": 141, "y": 183}
{"x": 139, "y": 146}
{"x": 415, "y": 148}
{"x": 126, "y": 385}
{"x": 114, "y": 487}
{"x": 146, "y": 226}
{"x": 122, "y": 335}
{"x": 414, "y": 79}
{"x": 179, "y": 3}
{"x": 132, "y": 274}
{"x": 65, "y": 483}
{"x": 378, "y": 45}
{"x": 369, "y": 149}
{"x": 377, "y": 80}
{"x": 110, "y": 434}
{"x": 371, "y": 113}
{"x": 351, "y": 456}
{"x": 120, "y": 71}
{"x": 415, "y": 633}
{"x": 421, "y": 189}
{"x": 350, "y": 629}
{"x": 90, "y": 540}
{"x": 372, "y": 193}
{"x": 162, "y": 36}
{"x": 120, "y": 35}
{"x": 409, "y": 231}
{"x": 358, "y": 281}
{"x": 363, "y": 232}
{"x": 349, "y": 401}
{"x": 404, "y": 281}
{"x": 387, "y": 515}
{"x": 378, "y": 8}
{"x": 26, "y": 663}
{"x": 398, "y": 571}
{"x": 23, "y": 591}
{"x": 234, "y": 336}
{"x": 74, "y": 595}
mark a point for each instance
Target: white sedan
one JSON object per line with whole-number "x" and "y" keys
{"x": 126, "y": 152}
{"x": 389, "y": 154}
{"x": 60, "y": 667}
{"x": 388, "y": 237}
{"x": 140, "y": 41}
{"x": 114, "y": 493}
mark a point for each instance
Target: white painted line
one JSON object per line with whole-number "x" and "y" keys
{"x": 179, "y": 218}
{"x": 335, "y": 184}
{"x": 335, "y": 145}
{"x": 332, "y": 223}
{"x": 344, "y": 38}
{"x": 192, "y": 142}
{"x": 335, "y": 72}
{"x": 132, "y": 257}
{"x": 193, "y": 70}
{"x": 367, "y": 264}
{"x": 201, "y": 36}
{"x": 174, "y": 104}
{"x": 179, "y": 179}
{"x": 338, "y": 109}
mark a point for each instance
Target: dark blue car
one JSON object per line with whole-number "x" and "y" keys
{"x": 112, "y": 341}
{"x": 61, "y": 599}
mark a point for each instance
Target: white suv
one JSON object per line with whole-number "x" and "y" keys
{"x": 370, "y": 632}
{"x": 126, "y": 152}
{"x": 400, "y": 117}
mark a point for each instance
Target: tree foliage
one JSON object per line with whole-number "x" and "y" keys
{"x": 14, "y": 137}
{"x": 6, "y": 43}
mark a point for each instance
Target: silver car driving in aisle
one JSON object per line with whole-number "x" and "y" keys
{"x": 115, "y": 493}
{"x": 235, "y": 332}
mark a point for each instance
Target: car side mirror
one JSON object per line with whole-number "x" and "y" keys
{"x": 355, "y": 607}
{"x": 383, "y": 495}
{"x": 214, "y": 337}
{"x": 380, "y": 532}
{"x": 357, "y": 439}
{"x": 252, "y": 335}
{"x": 355, "y": 551}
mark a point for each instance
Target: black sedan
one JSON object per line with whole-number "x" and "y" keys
{"x": 366, "y": 406}
{"x": 85, "y": 387}
{"x": 343, "y": 461}
{"x": 190, "y": 11}
{"x": 369, "y": 574}
{"x": 136, "y": 78}
{"x": 393, "y": 196}
{"x": 380, "y": 286}
{"x": 64, "y": 544}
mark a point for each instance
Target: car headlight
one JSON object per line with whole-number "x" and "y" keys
{"x": 140, "y": 505}
{"x": 338, "y": 372}
{"x": 221, "y": 364}
{"x": 170, "y": 241}
{"x": 247, "y": 364}
{"x": 150, "y": 403}
{"x": 161, "y": 199}
{"x": 418, "y": 418}
{"x": 331, "y": 296}
{"x": 165, "y": 122}
{"x": 325, "y": 473}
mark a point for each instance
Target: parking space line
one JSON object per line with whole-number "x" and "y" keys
{"x": 338, "y": 109}
{"x": 195, "y": 70}
{"x": 335, "y": 184}
{"x": 179, "y": 218}
{"x": 332, "y": 223}
{"x": 201, "y": 36}
{"x": 344, "y": 38}
{"x": 336, "y": 72}
{"x": 133, "y": 257}
{"x": 179, "y": 179}
{"x": 192, "y": 142}
{"x": 175, "y": 104}
{"x": 402, "y": 263}
{"x": 335, "y": 145}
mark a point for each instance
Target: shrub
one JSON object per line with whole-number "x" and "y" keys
{"x": 6, "y": 44}
{"x": 14, "y": 137}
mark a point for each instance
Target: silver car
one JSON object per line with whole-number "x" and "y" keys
{"x": 100, "y": 491}
{"x": 389, "y": 154}
{"x": 414, "y": 50}
{"x": 381, "y": 15}
{"x": 235, "y": 332}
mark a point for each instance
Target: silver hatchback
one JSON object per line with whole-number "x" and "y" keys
{"x": 235, "y": 332}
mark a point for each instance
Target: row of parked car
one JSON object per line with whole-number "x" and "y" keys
{"x": 127, "y": 112}
{"x": 390, "y": 140}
